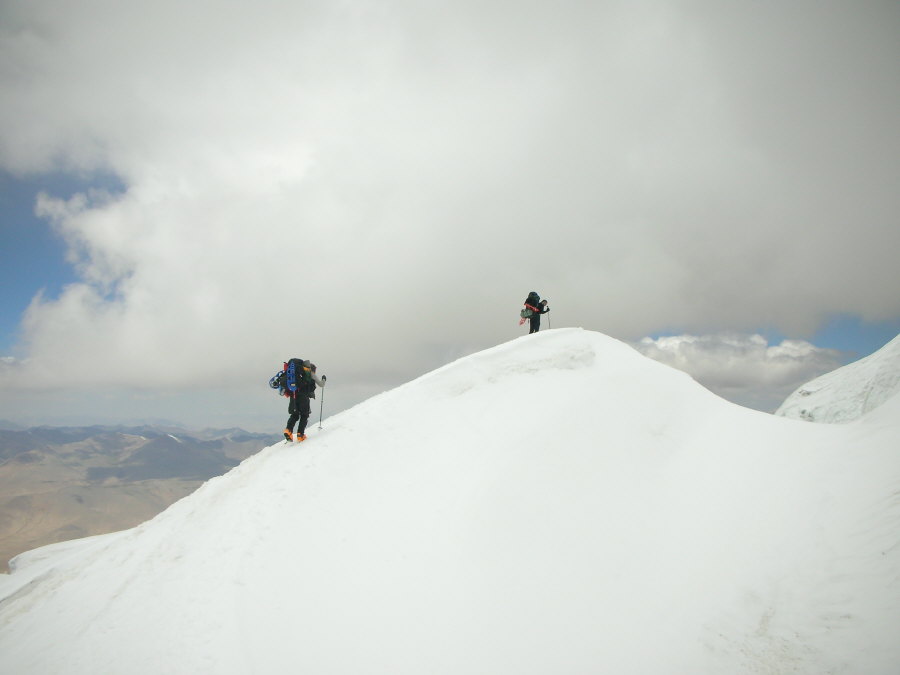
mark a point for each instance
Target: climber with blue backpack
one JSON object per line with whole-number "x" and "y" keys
{"x": 297, "y": 381}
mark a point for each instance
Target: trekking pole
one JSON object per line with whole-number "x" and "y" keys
{"x": 322, "y": 402}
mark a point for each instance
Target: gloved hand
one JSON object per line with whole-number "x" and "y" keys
{"x": 324, "y": 378}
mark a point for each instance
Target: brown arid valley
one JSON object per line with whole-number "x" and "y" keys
{"x": 61, "y": 483}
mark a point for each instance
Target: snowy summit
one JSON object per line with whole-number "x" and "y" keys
{"x": 556, "y": 504}
{"x": 850, "y": 392}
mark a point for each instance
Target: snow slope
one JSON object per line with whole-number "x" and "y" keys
{"x": 556, "y": 504}
{"x": 849, "y": 392}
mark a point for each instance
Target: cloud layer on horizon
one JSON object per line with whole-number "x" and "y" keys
{"x": 743, "y": 368}
{"x": 379, "y": 186}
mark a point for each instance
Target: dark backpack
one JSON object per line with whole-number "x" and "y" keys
{"x": 293, "y": 378}
{"x": 298, "y": 378}
{"x": 534, "y": 300}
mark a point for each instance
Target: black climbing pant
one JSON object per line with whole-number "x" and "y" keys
{"x": 298, "y": 409}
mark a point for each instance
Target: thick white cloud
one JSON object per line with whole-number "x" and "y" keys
{"x": 743, "y": 368}
{"x": 377, "y": 186}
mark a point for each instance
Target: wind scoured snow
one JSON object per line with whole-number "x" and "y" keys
{"x": 556, "y": 504}
{"x": 849, "y": 392}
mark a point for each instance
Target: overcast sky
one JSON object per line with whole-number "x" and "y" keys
{"x": 377, "y": 186}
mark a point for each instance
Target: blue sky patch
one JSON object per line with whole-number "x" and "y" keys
{"x": 33, "y": 255}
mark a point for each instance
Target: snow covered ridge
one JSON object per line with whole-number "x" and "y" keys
{"x": 849, "y": 392}
{"x": 556, "y": 504}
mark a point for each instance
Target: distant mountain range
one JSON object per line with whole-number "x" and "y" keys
{"x": 60, "y": 483}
